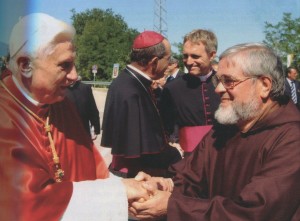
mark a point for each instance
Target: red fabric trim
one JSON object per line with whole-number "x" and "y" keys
{"x": 189, "y": 137}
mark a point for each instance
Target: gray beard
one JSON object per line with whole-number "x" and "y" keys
{"x": 238, "y": 112}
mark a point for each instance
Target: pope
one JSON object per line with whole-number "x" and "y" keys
{"x": 49, "y": 167}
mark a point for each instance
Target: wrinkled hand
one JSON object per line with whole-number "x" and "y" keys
{"x": 153, "y": 208}
{"x": 141, "y": 176}
{"x": 136, "y": 190}
{"x": 155, "y": 183}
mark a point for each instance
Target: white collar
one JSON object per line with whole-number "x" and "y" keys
{"x": 203, "y": 78}
{"x": 140, "y": 72}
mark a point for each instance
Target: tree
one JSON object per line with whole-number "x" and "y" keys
{"x": 284, "y": 38}
{"x": 179, "y": 55}
{"x": 102, "y": 38}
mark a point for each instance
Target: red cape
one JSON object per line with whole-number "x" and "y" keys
{"x": 27, "y": 186}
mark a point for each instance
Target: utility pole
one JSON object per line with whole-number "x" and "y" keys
{"x": 160, "y": 17}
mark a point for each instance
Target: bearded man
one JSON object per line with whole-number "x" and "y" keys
{"x": 247, "y": 167}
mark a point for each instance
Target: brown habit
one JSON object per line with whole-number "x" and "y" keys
{"x": 242, "y": 176}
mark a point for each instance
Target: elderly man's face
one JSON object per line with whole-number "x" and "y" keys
{"x": 162, "y": 64}
{"x": 53, "y": 74}
{"x": 240, "y": 103}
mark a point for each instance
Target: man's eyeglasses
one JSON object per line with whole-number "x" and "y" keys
{"x": 228, "y": 82}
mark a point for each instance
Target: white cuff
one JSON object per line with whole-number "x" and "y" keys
{"x": 103, "y": 200}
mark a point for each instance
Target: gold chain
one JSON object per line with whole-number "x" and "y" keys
{"x": 59, "y": 173}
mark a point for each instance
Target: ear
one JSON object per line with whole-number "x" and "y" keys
{"x": 266, "y": 84}
{"x": 25, "y": 67}
{"x": 154, "y": 61}
{"x": 153, "y": 64}
{"x": 212, "y": 55}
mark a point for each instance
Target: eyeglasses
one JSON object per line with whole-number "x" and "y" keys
{"x": 228, "y": 82}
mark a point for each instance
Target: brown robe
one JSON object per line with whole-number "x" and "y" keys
{"x": 242, "y": 176}
{"x": 28, "y": 190}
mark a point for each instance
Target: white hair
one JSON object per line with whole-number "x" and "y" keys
{"x": 37, "y": 34}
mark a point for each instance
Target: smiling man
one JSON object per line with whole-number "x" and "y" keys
{"x": 247, "y": 167}
{"x": 190, "y": 101}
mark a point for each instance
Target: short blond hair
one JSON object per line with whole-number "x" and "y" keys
{"x": 207, "y": 38}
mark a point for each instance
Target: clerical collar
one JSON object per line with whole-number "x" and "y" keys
{"x": 203, "y": 78}
{"x": 140, "y": 72}
{"x": 24, "y": 93}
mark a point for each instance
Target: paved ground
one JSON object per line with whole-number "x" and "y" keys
{"x": 100, "y": 96}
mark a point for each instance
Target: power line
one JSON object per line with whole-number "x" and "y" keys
{"x": 160, "y": 17}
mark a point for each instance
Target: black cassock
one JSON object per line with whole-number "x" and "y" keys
{"x": 82, "y": 96}
{"x": 132, "y": 125}
{"x": 189, "y": 103}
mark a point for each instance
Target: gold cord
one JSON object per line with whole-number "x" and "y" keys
{"x": 59, "y": 173}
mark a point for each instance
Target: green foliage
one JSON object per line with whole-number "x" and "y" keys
{"x": 284, "y": 38}
{"x": 102, "y": 38}
{"x": 179, "y": 56}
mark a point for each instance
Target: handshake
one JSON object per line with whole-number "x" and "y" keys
{"x": 148, "y": 196}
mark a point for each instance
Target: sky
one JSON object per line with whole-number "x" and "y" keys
{"x": 233, "y": 21}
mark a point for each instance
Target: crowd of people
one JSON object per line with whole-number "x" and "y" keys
{"x": 238, "y": 125}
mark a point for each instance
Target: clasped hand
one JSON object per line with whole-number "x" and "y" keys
{"x": 152, "y": 201}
